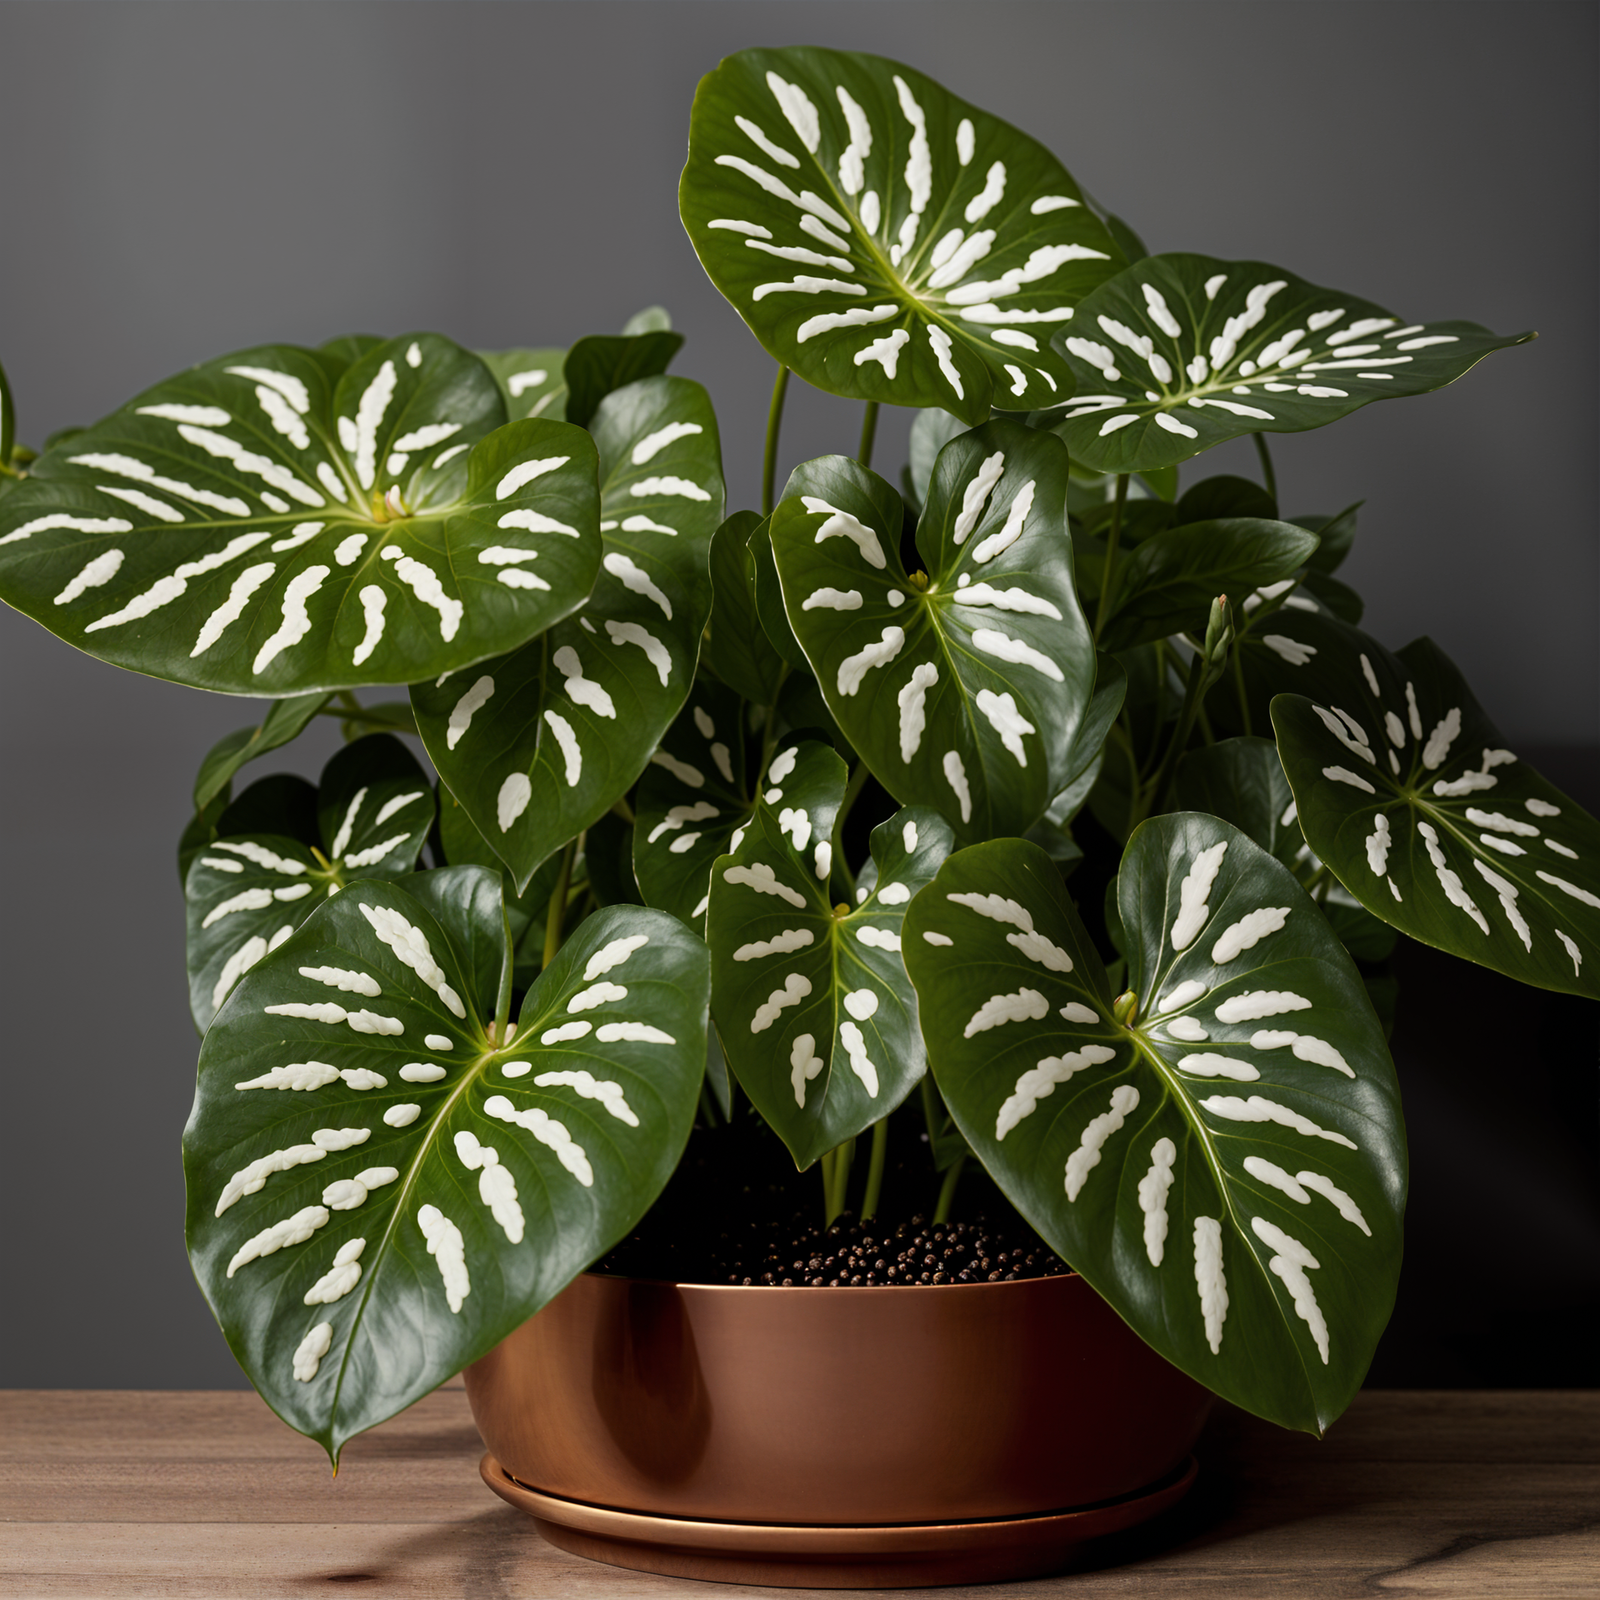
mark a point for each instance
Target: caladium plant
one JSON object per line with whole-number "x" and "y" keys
{"x": 782, "y": 816}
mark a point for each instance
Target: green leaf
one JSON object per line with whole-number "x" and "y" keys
{"x": 265, "y": 870}
{"x": 740, "y": 652}
{"x": 1110, "y": 689}
{"x": 1168, "y": 582}
{"x": 931, "y": 431}
{"x": 770, "y": 612}
{"x": 1225, "y": 495}
{"x": 691, "y": 802}
{"x": 1335, "y": 535}
{"x": 1179, "y": 353}
{"x": 1229, "y": 1170}
{"x": 884, "y": 239}
{"x": 813, "y": 1007}
{"x": 539, "y": 743}
{"x": 285, "y": 720}
{"x": 963, "y": 691}
{"x": 8, "y": 421}
{"x": 608, "y": 861}
{"x": 532, "y": 382}
{"x": 1407, "y": 792}
{"x": 1338, "y": 597}
{"x": 652, "y": 319}
{"x": 273, "y": 523}
{"x": 377, "y": 1194}
{"x": 603, "y": 363}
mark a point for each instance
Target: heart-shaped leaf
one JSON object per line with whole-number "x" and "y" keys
{"x": 602, "y": 363}
{"x": 1227, "y": 1168}
{"x": 741, "y": 654}
{"x": 884, "y": 239}
{"x": 1178, "y": 353}
{"x": 532, "y": 382}
{"x": 284, "y": 722}
{"x": 274, "y": 522}
{"x": 691, "y": 801}
{"x": 354, "y": 1118}
{"x": 1168, "y": 582}
{"x": 963, "y": 688}
{"x": 815, "y": 1013}
{"x": 539, "y": 743}
{"x": 1407, "y": 792}
{"x": 281, "y": 850}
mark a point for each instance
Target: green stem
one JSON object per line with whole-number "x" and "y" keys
{"x": 1266, "y": 465}
{"x": 623, "y": 809}
{"x": 836, "y": 1179}
{"x": 1108, "y": 573}
{"x": 1238, "y": 684}
{"x": 1180, "y": 739}
{"x": 557, "y": 917}
{"x": 880, "y": 1150}
{"x": 769, "y": 464}
{"x": 947, "y": 1194}
{"x": 825, "y": 1168}
{"x": 932, "y": 1112}
{"x": 869, "y": 428}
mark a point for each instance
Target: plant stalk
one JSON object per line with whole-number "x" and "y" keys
{"x": 557, "y": 917}
{"x": 869, "y": 429}
{"x": 502, "y": 1002}
{"x": 769, "y": 463}
{"x": 1267, "y": 473}
{"x": 1108, "y": 573}
{"x": 1238, "y": 684}
{"x": 880, "y": 1150}
{"x": 1161, "y": 788}
{"x": 947, "y": 1194}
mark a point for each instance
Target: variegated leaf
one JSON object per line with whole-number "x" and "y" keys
{"x": 532, "y": 382}
{"x": 962, "y": 686}
{"x": 883, "y": 238}
{"x": 379, "y": 1189}
{"x": 813, "y": 1007}
{"x": 267, "y": 870}
{"x": 1178, "y": 353}
{"x": 1409, "y": 794}
{"x": 692, "y": 802}
{"x": 539, "y": 743}
{"x": 1227, "y": 1165}
{"x": 277, "y": 522}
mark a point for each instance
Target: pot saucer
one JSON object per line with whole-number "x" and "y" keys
{"x": 810, "y": 1557}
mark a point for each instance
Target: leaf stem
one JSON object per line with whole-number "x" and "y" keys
{"x": 880, "y": 1150}
{"x": 1108, "y": 573}
{"x": 947, "y": 1194}
{"x": 502, "y": 1002}
{"x": 869, "y": 429}
{"x": 622, "y": 809}
{"x": 556, "y": 919}
{"x": 1266, "y": 465}
{"x": 769, "y": 463}
{"x": 1238, "y": 684}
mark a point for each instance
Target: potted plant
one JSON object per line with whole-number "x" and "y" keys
{"x": 1034, "y": 799}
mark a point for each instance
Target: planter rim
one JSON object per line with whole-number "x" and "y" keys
{"x": 802, "y": 1288}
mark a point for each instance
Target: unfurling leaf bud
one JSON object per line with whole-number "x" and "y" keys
{"x": 1219, "y": 632}
{"x": 1125, "y": 1008}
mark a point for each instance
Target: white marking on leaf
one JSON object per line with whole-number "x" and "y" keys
{"x": 524, "y": 473}
{"x": 1378, "y": 843}
{"x": 1209, "y": 1277}
{"x": 411, "y": 946}
{"x": 1083, "y": 1160}
{"x": 1005, "y": 648}
{"x": 885, "y": 351}
{"x": 942, "y": 345}
{"x": 1260, "y": 1003}
{"x": 1026, "y": 1005}
{"x": 1259, "y": 1109}
{"x": 982, "y": 594}
{"x": 775, "y": 151}
{"x": 1194, "y": 895}
{"x": 448, "y": 1249}
{"x": 1212, "y": 1065}
{"x": 785, "y": 943}
{"x": 854, "y": 668}
{"x": 553, "y": 1135}
{"x": 1450, "y": 881}
{"x": 804, "y": 1065}
{"x": 1005, "y": 536}
{"x": 1189, "y": 1029}
{"x": 1570, "y": 946}
{"x": 912, "y": 701}
{"x": 956, "y": 776}
{"x": 833, "y": 600}
{"x": 309, "y": 1352}
{"x": 1153, "y": 1188}
{"x": 635, "y": 1032}
{"x": 795, "y": 988}
{"x": 832, "y": 321}
{"x": 339, "y": 1279}
{"x": 571, "y": 750}
{"x": 1191, "y": 989}
{"x": 1290, "y": 1263}
{"x": 1040, "y": 1081}
{"x": 861, "y": 1064}
{"x": 1572, "y": 889}
{"x": 1247, "y": 932}
{"x": 100, "y": 570}
{"x": 938, "y": 938}
{"x": 763, "y": 880}
{"x": 292, "y": 1230}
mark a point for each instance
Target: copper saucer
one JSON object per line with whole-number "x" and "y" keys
{"x": 904, "y": 1556}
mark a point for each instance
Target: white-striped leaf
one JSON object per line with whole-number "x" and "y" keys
{"x": 692, "y": 801}
{"x": 539, "y": 743}
{"x": 1178, "y": 353}
{"x": 816, "y": 1015}
{"x": 883, "y": 238}
{"x": 532, "y": 382}
{"x": 1407, "y": 791}
{"x": 283, "y": 848}
{"x": 278, "y": 522}
{"x": 378, "y": 1194}
{"x": 1229, "y": 1170}
{"x": 963, "y": 691}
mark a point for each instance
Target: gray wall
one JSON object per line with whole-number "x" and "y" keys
{"x": 183, "y": 179}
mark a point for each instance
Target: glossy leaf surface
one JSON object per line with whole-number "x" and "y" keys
{"x": 691, "y": 801}
{"x": 1180, "y": 352}
{"x": 278, "y": 523}
{"x": 816, "y": 1015}
{"x": 377, "y": 1195}
{"x": 539, "y": 743}
{"x": 884, "y": 239}
{"x": 284, "y": 722}
{"x": 282, "y": 849}
{"x": 740, "y": 652}
{"x": 1229, "y": 1171}
{"x": 532, "y": 382}
{"x": 602, "y": 363}
{"x": 964, "y": 691}
{"x": 1408, "y": 792}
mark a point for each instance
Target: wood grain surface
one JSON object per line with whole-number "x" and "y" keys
{"x": 106, "y": 1494}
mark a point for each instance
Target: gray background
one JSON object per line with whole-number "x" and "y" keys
{"x": 184, "y": 179}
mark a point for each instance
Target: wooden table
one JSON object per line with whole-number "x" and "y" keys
{"x": 115, "y": 1493}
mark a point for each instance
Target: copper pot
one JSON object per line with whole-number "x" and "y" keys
{"x": 830, "y": 1408}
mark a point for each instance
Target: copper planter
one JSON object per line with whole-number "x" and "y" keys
{"x": 833, "y": 1437}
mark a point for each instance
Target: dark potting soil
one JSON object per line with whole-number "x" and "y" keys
{"x": 736, "y": 1212}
